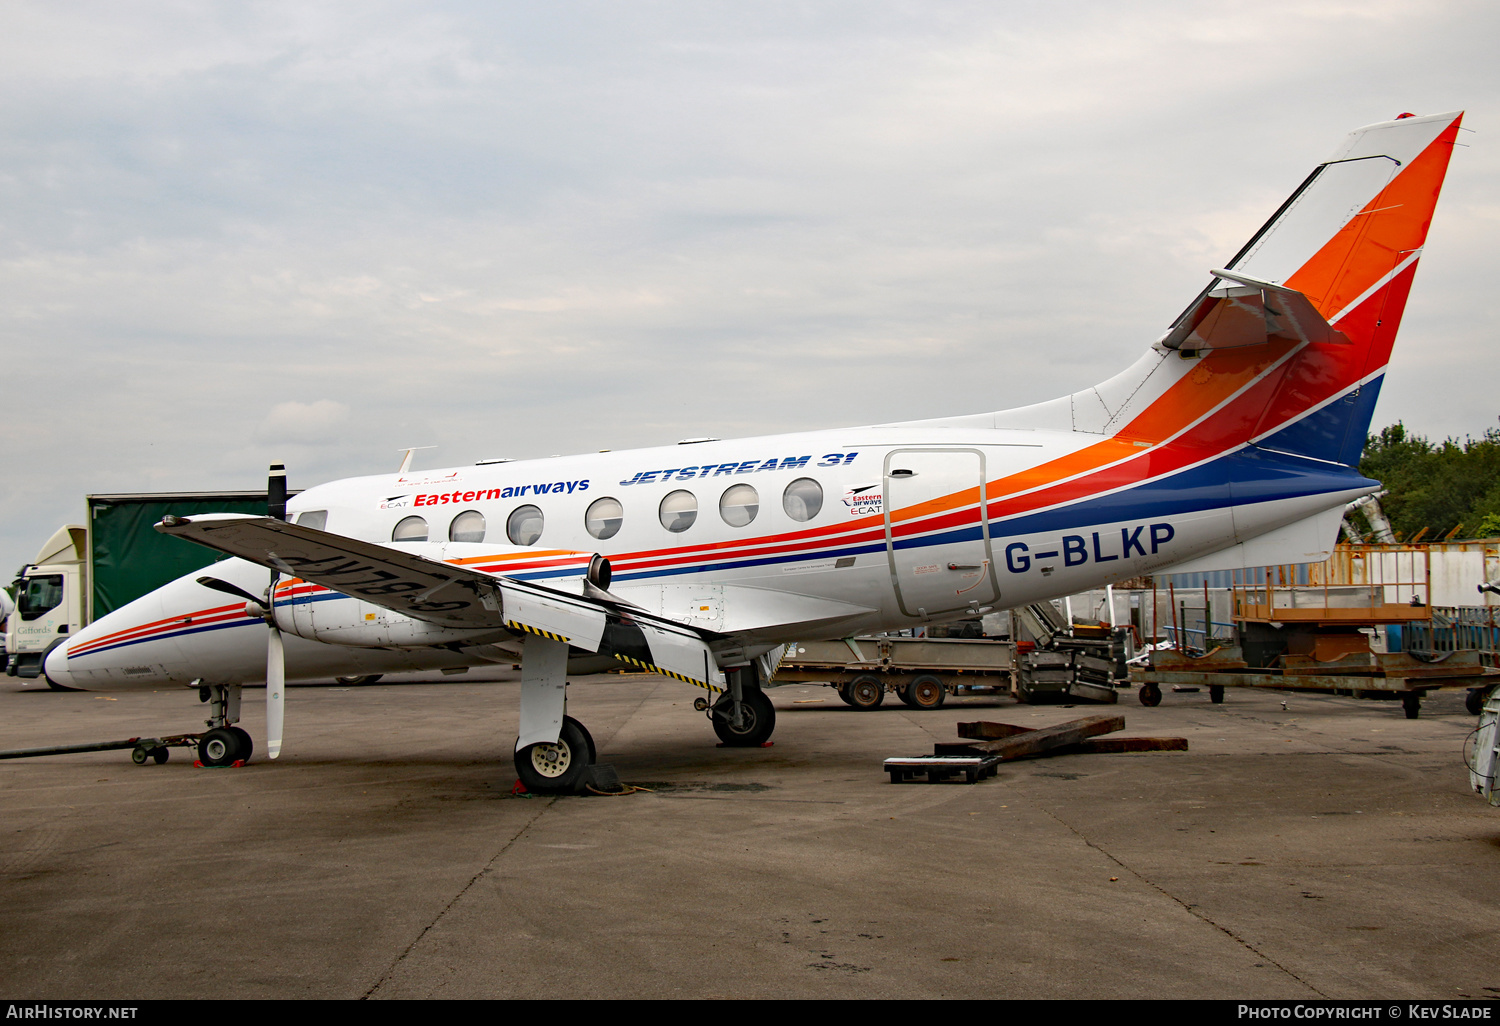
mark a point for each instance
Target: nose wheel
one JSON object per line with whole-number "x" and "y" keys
{"x": 225, "y": 746}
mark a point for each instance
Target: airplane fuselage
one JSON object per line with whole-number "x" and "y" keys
{"x": 760, "y": 540}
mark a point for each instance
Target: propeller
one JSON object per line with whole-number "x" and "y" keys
{"x": 264, "y": 607}
{"x": 275, "y": 653}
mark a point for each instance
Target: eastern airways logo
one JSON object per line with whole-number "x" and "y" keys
{"x": 864, "y": 501}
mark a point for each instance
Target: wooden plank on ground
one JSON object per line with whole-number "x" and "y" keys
{"x": 1092, "y": 746}
{"x": 988, "y": 730}
{"x": 1112, "y": 745}
{"x": 1032, "y": 742}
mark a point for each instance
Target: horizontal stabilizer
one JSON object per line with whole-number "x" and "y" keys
{"x": 1250, "y": 313}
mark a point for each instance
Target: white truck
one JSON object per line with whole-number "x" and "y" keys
{"x": 85, "y": 571}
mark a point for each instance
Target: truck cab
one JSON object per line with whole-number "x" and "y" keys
{"x": 51, "y": 601}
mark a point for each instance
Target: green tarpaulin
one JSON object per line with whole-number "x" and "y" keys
{"x": 129, "y": 558}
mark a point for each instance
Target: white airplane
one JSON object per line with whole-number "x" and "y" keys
{"x": 1233, "y": 441}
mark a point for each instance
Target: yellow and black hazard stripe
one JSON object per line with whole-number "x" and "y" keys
{"x": 517, "y": 625}
{"x": 653, "y": 668}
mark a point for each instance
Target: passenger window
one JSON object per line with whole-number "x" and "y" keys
{"x": 604, "y": 517}
{"x": 524, "y": 526}
{"x": 410, "y": 529}
{"x": 317, "y": 519}
{"x": 738, "y": 505}
{"x": 802, "y": 499}
{"x": 678, "y": 511}
{"x": 468, "y": 526}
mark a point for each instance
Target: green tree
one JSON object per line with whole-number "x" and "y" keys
{"x": 1436, "y": 486}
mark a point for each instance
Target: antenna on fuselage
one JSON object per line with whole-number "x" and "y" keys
{"x": 406, "y": 460}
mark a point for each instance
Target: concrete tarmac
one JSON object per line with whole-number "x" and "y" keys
{"x": 1326, "y": 849}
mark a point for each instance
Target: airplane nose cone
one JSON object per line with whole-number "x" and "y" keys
{"x": 55, "y": 666}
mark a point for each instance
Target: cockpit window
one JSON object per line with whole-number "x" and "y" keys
{"x": 468, "y": 526}
{"x": 524, "y": 526}
{"x": 410, "y": 529}
{"x": 678, "y": 511}
{"x": 802, "y": 499}
{"x": 317, "y": 519}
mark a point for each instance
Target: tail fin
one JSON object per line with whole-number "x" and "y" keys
{"x": 1309, "y": 310}
{"x": 1349, "y": 239}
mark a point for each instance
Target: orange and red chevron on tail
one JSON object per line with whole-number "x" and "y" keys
{"x": 1359, "y": 280}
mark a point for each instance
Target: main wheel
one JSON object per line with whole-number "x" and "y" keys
{"x": 757, "y": 720}
{"x": 555, "y": 767}
{"x": 1475, "y": 699}
{"x": 925, "y": 692}
{"x": 866, "y": 692}
{"x": 247, "y": 746}
{"x": 219, "y": 747}
{"x": 587, "y": 737}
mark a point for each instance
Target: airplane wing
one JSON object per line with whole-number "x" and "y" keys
{"x": 454, "y": 596}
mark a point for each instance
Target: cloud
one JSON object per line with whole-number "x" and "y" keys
{"x": 516, "y": 230}
{"x": 301, "y": 422}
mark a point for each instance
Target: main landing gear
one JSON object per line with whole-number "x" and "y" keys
{"x": 743, "y": 716}
{"x": 557, "y": 767}
{"x": 554, "y": 753}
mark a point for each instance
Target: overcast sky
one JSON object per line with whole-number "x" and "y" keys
{"x": 233, "y": 233}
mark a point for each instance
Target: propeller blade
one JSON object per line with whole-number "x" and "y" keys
{"x": 231, "y": 589}
{"x": 275, "y": 693}
{"x": 276, "y": 492}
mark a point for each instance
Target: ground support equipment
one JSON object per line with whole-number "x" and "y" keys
{"x": 1389, "y": 675}
{"x": 143, "y": 749}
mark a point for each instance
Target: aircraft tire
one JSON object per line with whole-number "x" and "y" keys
{"x": 758, "y": 722}
{"x": 925, "y": 692}
{"x": 218, "y": 747}
{"x": 866, "y": 692}
{"x": 587, "y": 737}
{"x": 247, "y": 746}
{"x": 1475, "y": 699}
{"x": 559, "y": 768}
